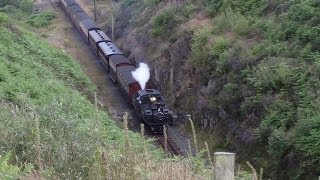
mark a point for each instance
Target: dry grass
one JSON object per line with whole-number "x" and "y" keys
{"x": 139, "y": 164}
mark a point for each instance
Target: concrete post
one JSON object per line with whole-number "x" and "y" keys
{"x": 224, "y": 166}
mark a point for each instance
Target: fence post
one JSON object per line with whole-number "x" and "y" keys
{"x": 224, "y": 166}
{"x": 95, "y": 10}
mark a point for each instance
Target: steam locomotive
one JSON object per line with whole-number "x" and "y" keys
{"x": 148, "y": 103}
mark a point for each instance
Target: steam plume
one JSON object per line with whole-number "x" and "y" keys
{"x": 142, "y": 74}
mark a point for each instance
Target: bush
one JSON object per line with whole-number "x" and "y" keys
{"x": 188, "y": 9}
{"x": 233, "y": 21}
{"x": 3, "y": 19}
{"x": 241, "y": 26}
{"x": 199, "y": 46}
{"x": 151, "y": 2}
{"x": 164, "y": 22}
{"x": 219, "y": 47}
{"x": 41, "y": 20}
{"x": 8, "y": 171}
{"x": 25, "y": 5}
{"x": 213, "y": 7}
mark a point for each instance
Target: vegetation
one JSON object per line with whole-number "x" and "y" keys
{"x": 281, "y": 81}
{"x": 163, "y": 22}
{"x": 8, "y": 171}
{"x": 40, "y": 20}
{"x": 49, "y": 128}
{"x": 259, "y": 61}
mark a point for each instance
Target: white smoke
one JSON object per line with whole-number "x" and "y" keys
{"x": 142, "y": 74}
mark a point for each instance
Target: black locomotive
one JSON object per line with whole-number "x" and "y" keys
{"x": 148, "y": 103}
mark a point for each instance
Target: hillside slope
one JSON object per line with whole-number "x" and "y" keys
{"x": 247, "y": 71}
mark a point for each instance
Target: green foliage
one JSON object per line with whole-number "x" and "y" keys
{"x": 127, "y": 2}
{"x": 8, "y": 171}
{"x": 209, "y": 56}
{"x": 198, "y": 46}
{"x": 232, "y": 20}
{"x": 219, "y": 47}
{"x": 151, "y": 2}
{"x": 18, "y": 9}
{"x": 307, "y": 140}
{"x": 40, "y": 20}
{"x": 272, "y": 74}
{"x": 188, "y": 9}
{"x": 162, "y": 23}
{"x": 241, "y": 26}
{"x": 279, "y": 78}
{"x": 213, "y": 7}
{"x": 3, "y": 19}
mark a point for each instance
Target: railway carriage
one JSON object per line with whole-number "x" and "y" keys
{"x": 86, "y": 26}
{"x": 97, "y": 36}
{"x": 77, "y": 18}
{"x": 74, "y": 9}
{"x": 105, "y": 50}
{"x": 115, "y": 61}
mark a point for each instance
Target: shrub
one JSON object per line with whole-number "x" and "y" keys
{"x": 188, "y": 9}
{"x": 272, "y": 74}
{"x": 219, "y": 47}
{"x": 213, "y": 7}
{"x": 151, "y": 2}
{"x": 41, "y": 20}
{"x": 3, "y": 18}
{"x": 8, "y": 171}
{"x": 25, "y": 5}
{"x": 165, "y": 21}
{"x": 198, "y": 46}
{"x": 240, "y": 25}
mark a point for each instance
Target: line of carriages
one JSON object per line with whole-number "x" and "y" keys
{"x": 115, "y": 62}
{"x": 148, "y": 104}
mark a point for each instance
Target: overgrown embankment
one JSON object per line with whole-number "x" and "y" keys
{"x": 248, "y": 71}
{"x": 49, "y": 128}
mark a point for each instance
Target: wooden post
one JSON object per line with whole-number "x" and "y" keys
{"x": 224, "y": 166}
{"x": 156, "y": 75}
{"x": 112, "y": 28}
{"x": 95, "y": 10}
{"x": 171, "y": 78}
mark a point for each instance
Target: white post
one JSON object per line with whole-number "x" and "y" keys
{"x": 224, "y": 166}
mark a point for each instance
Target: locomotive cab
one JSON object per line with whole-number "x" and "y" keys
{"x": 153, "y": 111}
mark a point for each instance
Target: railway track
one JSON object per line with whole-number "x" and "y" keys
{"x": 168, "y": 145}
